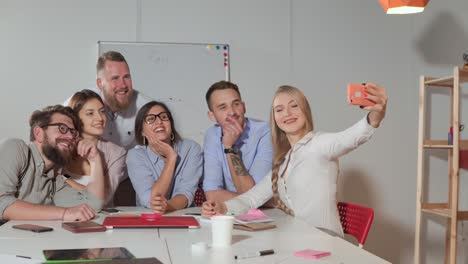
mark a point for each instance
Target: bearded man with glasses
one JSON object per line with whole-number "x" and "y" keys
{"x": 32, "y": 186}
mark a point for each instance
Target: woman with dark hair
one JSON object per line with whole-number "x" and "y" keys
{"x": 305, "y": 162}
{"x": 89, "y": 107}
{"x": 164, "y": 169}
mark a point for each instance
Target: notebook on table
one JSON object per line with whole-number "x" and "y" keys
{"x": 151, "y": 222}
{"x": 83, "y": 227}
{"x": 254, "y": 226}
{"x": 86, "y": 255}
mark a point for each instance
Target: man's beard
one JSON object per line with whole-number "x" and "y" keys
{"x": 59, "y": 157}
{"x": 114, "y": 104}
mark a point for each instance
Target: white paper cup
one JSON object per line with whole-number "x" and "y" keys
{"x": 221, "y": 230}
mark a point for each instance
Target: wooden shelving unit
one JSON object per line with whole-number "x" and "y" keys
{"x": 449, "y": 209}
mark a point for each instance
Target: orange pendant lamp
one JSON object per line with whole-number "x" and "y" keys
{"x": 403, "y": 6}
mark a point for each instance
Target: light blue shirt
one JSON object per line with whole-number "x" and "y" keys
{"x": 256, "y": 153}
{"x": 145, "y": 167}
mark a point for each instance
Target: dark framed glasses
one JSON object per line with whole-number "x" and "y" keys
{"x": 64, "y": 129}
{"x": 151, "y": 118}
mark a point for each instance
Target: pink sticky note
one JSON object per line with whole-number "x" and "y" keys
{"x": 252, "y": 214}
{"x": 311, "y": 254}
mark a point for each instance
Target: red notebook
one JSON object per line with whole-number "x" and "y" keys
{"x": 142, "y": 222}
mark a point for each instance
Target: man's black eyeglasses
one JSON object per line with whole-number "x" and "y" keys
{"x": 151, "y": 118}
{"x": 64, "y": 129}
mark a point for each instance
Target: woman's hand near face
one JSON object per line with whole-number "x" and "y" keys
{"x": 377, "y": 94}
{"x": 161, "y": 148}
{"x": 87, "y": 149}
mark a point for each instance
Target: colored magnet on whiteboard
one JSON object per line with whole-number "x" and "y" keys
{"x": 225, "y": 47}
{"x": 208, "y": 47}
{"x": 217, "y": 47}
{"x": 225, "y": 54}
{"x": 225, "y": 64}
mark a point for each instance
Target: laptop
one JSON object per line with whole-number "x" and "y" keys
{"x": 147, "y": 222}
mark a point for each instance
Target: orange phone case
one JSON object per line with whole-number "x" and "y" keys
{"x": 357, "y": 95}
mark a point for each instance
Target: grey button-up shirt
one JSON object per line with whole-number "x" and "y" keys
{"x": 22, "y": 178}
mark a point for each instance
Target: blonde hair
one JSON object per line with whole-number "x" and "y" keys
{"x": 280, "y": 141}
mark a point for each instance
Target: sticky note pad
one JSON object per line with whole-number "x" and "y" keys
{"x": 252, "y": 215}
{"x": 311, "y": 254}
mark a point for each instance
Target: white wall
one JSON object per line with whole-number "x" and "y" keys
{"x": 350, "y": 42}
{"x": 49, "y": 51}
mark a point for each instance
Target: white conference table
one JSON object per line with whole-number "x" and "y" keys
{"x": 142, "y": 243}
{"x": 174, "y": 246}
{"x": 291, "y": 235}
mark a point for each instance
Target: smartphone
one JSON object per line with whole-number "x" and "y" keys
{"x": 357, "y": 95}
{"x": 110, "y": 210}
{"x": 34, "y": 228}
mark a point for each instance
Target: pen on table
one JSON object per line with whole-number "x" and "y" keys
{"x": 255, "y": 254}
{"x": 26, "y": 257}
{"x": 192, "y": 214}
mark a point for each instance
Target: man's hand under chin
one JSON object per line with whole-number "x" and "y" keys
{"x": 232, "y": 131}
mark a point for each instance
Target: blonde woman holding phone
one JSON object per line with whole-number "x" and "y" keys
{"x": 305, "y": 164}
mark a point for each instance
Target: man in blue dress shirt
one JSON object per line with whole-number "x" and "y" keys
{"x": 237, "y": 150}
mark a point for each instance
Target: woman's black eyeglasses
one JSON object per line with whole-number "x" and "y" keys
{"x": 151, "y": 118}
{"x": 64, "y": 129}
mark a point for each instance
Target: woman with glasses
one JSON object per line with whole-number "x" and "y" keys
{"x": 164, "y": 169}
{"x": 89, "y": 106}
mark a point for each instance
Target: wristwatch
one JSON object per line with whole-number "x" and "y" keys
{"x": 233, "y": 150}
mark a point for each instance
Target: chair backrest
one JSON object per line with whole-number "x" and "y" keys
{"x": 356, "y": 220}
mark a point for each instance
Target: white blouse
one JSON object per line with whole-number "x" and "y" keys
{"x": 81, "y": 179}
{"x": 309, "y": 183}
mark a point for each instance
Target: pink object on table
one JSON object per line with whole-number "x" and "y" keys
{"x": 151, "y": 216}
{"x": 311, "y": 254}
{"x": 252, "y": 214}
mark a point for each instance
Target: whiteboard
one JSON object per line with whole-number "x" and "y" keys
{"x": 178, "y": 74}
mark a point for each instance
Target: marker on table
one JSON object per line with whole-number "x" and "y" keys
{"x": 255, "y": 254}
{"x": 192, "y": 214}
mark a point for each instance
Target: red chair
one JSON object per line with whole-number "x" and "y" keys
{"x": 356, "y": 220}
{"x": 199, "y": 195}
